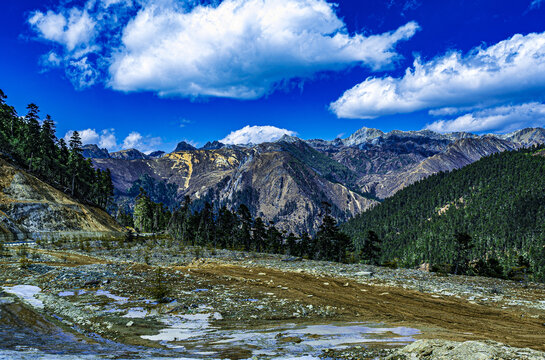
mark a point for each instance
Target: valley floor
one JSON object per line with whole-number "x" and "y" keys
{"x": 236, "y": 305}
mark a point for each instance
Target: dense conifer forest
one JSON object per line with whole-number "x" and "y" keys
{"x": 487, "y": 218}
{"x": 30, "y": 142}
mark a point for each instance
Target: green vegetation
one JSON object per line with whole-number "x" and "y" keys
{"x": 487, "y": 218}
{"x": 149, "y": 216}
{"x": 319, "y": 162}
{"x": 31, "y": 143}
{"x": 236, "y": 230}
{"x": 158, "y": 191}
{"x": 159, "y": 289}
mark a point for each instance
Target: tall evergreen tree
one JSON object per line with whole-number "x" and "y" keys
{"x": 463, "y": 243}
{"x": 371, "y": 249}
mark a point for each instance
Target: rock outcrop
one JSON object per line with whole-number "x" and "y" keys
{"x": 32, "y": 209}
{"x": 183, "y": 146}
{"x": 130, "y": 154}
{"x": 94, "y": 152}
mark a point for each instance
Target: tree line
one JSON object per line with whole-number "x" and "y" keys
{"x": 30, "y": 142}
{"x": 236, "y": 229}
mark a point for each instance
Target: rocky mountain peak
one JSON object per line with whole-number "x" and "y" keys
{"x": 526, "y": 137}
{"x": 289, "y": 139}
{"x": 363, "y": 135}
{"x": 156, "y": 154}
{"x": 214, "y": 145}
{"x": 129, "y": 154}
{"x": 92, "y": 151}
{"x": 184, "y": 146}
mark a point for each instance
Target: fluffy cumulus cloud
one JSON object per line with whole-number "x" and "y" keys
{"x": 240, "y": 49}
{"x": 74, "y": 29}
{"x": 133, "y": 140}
{"x": 105, "y": 139}
{"x": 511, "y": 71}
{"x": 256, "y": 135}
{"x": 499, "y": 119}
{"x": 146, "y": 144}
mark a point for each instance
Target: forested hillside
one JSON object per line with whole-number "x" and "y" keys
{"x": 30, "y": 143}
{"x": 490, "y": 214}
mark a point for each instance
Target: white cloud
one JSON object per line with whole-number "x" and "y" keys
{"x": 241, "y": 49}
{"x": 133, "y": 140}
{"x": 184, "y": 122}
{"x": 106, "y": 138}
{"x": 81, "y": 73}
{"x": 256, "y": 135}
{"x": 88, "y": 136}
{"x": 75, "y": 29}
{"x": 107, "y": 3}
{"x": 511, "y": 70}
{"x": 500, "y": 119}
{"x": 51, "y": 59}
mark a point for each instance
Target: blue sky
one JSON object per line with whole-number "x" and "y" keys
{"x": 147, "y": 74}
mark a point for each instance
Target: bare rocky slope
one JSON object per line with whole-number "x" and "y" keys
{"x": 32, "y": 209}
{"x": 287, "y": 180}
{"x": 274, "y": 183}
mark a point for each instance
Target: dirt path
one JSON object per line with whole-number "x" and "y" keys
{"x": 444, "y": 317}
{"x": 71, "y": 258}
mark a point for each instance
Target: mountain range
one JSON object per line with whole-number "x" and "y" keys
{"x": 287, "y": 180}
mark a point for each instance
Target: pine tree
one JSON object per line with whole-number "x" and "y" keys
{"x": 259, "y": 234}
{"x": 75, "y": 160}
{"x": 245, "y": 221}
{"x": 31, "y": 134}
{"x": 371, "y": 249}
{"x": 291, "y": 241}
{"x": 462, "y": 245}
{"x": 143, "y": 213}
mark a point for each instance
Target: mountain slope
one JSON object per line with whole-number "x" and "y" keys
{"x": 32, "y": 209}
{"x": 370, "y": 163}
{"x": 457, "y": 155}
{"x": 273, "y": 182}
{"x": 499, "y": 200}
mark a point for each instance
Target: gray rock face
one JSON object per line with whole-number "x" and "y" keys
{"x": 183, "y": 146}
{"x": 130, "y": 154}
{"x": 214, "y": 145}
{"x": 156, "y": 154}
{"x": 469, "y": 350}
{"x": 92, "y": 151}
{"x": 526, "y": 137}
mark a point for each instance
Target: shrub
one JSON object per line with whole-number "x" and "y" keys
{"x": 159, "y": 289}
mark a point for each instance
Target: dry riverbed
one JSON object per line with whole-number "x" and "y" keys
{"x": 233, "y": 305}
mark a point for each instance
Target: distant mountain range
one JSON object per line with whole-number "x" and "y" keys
{"x": 285, "y": 181}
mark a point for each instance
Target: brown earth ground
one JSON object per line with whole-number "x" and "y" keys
{"x": 443, "y": 317}
{"x": 446, "y": 318}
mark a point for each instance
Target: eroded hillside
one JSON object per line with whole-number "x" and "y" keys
{"x": 30, "y": 208}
